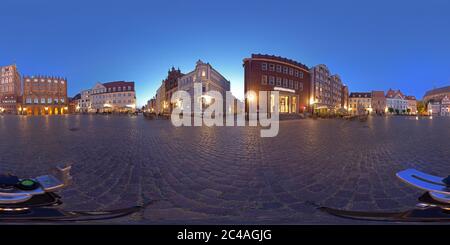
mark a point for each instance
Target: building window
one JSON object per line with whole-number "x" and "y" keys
{"x": 271, "y": 67}
{"x": 272, "y": 80}
{"x": 285, "y": 70}
{"x": 285, "y": 82}
{"x": 291, "y": 84}
{"x": 49, "y": 100}
{"x": 42, "y": 100}
{"x": 300, "y": 74}
{"x": 203, "y": 73}
{"x": 264, "y": 66}
{"x": 279, "y": 68}
{"x": 291, "y": 71}
{"x": 296, "y": 84}
{"x": 300, "y": 86}
{"x": 129, "y": 88}
{"x": 264, "y": 79}
{"x": 278, "y": 81}
{"x": 36, "y": 101}
{"x": 296, "y": 73}
{"x": 28, "y": 100}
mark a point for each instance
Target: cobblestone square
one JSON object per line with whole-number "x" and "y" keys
{"x": 228, "y": 175}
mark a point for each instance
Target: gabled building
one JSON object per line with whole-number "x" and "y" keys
{"x": 171, "y": 85}
{"x": 327, "y": 91}
{"x": 412, "y": 105}
{"x": 10, "y": 89}
{"x": 209, "y": 79}
{"x": 396, "y": 102}
{"x": 378, "y": 102}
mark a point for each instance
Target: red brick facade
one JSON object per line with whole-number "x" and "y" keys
{"x": 272, "y": 73}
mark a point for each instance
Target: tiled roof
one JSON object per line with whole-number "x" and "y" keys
{"x": 438, "y": 91}
{"x": 360, "y": 95}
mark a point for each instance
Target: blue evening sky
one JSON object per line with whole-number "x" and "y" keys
{"x": 372, "y": 44}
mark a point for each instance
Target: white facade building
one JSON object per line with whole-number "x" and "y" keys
{"x": 210, "y": 80}
{"x": 113, "y": 97}
{"x": 396, "y": 101}
{"x": 84, "y": 104}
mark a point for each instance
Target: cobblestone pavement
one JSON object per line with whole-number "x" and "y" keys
{"x": 222, "y": 175}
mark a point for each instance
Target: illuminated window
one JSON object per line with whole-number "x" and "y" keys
{"x": 203, "y": 73}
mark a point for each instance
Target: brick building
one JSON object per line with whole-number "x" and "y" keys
{"x": 273, "y": 73}
{"x": 44, "y": 95}
{"x": 10, "y": 89}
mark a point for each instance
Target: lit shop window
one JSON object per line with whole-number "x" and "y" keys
{"x": 264, "y": 80}
{"x": 272, "y": 80}
{"x": 264, "y": 66}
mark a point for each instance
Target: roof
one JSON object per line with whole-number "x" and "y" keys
{"x": 279, "y": 58}
{"x": 392, "y": 93}
{"x": 360, "y": 95}
{"x": 438, "y": 91}
{"x": 118, "y": 84}
{"x": 76, "y": 97}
